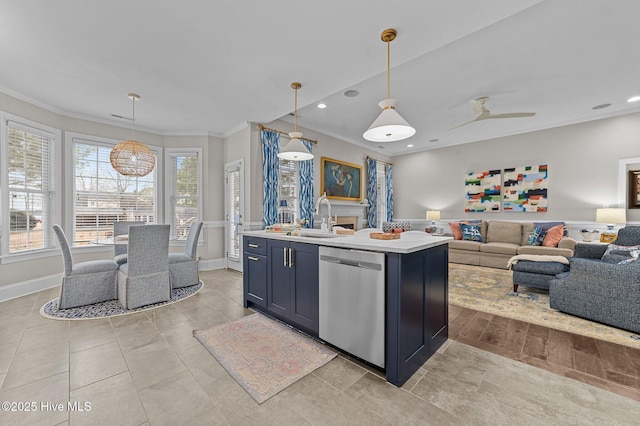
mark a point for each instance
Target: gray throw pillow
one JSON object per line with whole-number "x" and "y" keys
{"x": 621, "y": 254}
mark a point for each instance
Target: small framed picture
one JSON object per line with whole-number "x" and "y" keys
{"x": 633, "y": 183}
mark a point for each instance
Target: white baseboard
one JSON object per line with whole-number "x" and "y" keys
{"x": 12, "y": 291}
{"x": 211, "y": 264}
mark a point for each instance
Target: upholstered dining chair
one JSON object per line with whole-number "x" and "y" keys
{"x": 145, "y": 278}
{"x": 184, "y": 266}
{"x": 121, "y": 227}
{"x": 85, "y": 283}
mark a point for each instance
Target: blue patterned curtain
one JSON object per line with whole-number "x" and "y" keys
{"x": 372, "y": 193}
{"x": 270, "y": 164}
{"x": 389, "y": 181}
{"x": 306, "y": 187}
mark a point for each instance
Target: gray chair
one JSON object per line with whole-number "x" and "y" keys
{"x": 121, "y": 227}
{"x": 85, "y": 283}
{"x": 598, "y": 290}
{"x": 184, "y": 266}
{"x": 145, "y": 279}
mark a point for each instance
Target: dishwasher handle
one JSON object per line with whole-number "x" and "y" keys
{"x": 353, "y": 263}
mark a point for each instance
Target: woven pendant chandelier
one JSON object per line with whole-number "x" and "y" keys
{"x": 130, "y": 157}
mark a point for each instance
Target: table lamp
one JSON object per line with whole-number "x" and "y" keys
{"x": 611, "y": 217}
{"x": 433, "y": 216}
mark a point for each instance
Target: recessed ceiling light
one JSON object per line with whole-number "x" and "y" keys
{"x": 351, "y": 93}
{"x": 434, "y": 140}
{"x": 634, "y": 99}
{"x": 322, "y": 106}
{"x": 410, "y": 145}
{"x": 601, "y": 106}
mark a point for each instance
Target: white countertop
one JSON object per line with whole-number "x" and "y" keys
{"x": 408, "y": 242}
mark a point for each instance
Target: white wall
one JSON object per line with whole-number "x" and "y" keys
{"x": 583, "y": 164}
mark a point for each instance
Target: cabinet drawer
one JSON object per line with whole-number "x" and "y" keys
{"x": 255, "y": 245}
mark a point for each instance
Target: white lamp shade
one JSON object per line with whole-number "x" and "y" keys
{"x": 611, "y": 216}
{"x": 389, "y": 126}
{"x": 295, "y": 149}
{"x": 433, "y": 215}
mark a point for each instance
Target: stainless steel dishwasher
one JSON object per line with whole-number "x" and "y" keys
{"x": 352, "y": 301}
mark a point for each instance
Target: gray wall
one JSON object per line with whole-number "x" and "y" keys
{"x": 213, "y": 170}
{"x": 327, "y": 146}
{"x": 583, "y": 164}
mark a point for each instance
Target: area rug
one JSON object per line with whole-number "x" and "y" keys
{"x": 491, "y": 290}
{"x": 111, "y": 308}
{"x": 262, "y": 355}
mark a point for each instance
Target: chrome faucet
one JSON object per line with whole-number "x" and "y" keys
{"x": 320, "y": 199}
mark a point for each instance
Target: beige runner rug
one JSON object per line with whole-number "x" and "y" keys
{"x": 262, "y": 355}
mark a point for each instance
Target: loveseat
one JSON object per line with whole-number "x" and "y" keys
{"x": 603, "y": 283}
{"x": 501, "y": 240}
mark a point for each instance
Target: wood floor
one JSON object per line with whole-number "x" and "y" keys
{"x": 606, "y": 365}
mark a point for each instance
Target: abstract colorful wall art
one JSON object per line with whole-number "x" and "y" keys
{"x": 482, "y": 191}
{"x": 525, "y": 189}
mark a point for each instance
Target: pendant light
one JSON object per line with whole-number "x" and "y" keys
{"x": 295, "y": 149}
{"x": 130, "y": 157}
{"x": 389, "y": 126}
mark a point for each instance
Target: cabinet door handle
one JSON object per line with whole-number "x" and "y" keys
{"x": 284, "y": 256}
{"x": 253, "y": 258}
{"x": 290, "y": 258}
{"x": 253, "y": 245}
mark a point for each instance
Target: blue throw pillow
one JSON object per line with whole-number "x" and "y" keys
{"x": 536, "y": 236}
{"x": 471, "y": 232}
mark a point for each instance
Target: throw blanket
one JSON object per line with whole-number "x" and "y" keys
{"x": 536, "y": 258}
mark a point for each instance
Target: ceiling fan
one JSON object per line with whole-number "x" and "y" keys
{"x": 485, "y": 114}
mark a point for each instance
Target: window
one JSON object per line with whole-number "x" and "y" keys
{"x": 28, "y": 174}
{"x": 288, "y": 191}
{"x": 102, "y": 196}
{"x": 184, "y": 182}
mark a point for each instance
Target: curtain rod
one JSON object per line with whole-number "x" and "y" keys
{"x": 261, "y": 127}
{"x": 381, "y": 161}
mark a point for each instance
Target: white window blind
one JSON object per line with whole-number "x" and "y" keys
{"x": 288, "y": 191}
{"x": 184, "y": 186}
{"x": 30, "y": 185}
{"x": 102, "y": 195}
{"x": 233, "y": 205}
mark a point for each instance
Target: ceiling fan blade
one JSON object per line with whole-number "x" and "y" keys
{"x": 480, "y": 117}
{"x": 512, "y": 115}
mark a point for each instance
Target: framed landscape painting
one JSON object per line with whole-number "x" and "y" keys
{"x": 340, "y": 180}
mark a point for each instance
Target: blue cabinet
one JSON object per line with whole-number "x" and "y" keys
{"x": 292, "y": 283}
{"x": 417, "y": 309}
{"x": 254, "y": 264}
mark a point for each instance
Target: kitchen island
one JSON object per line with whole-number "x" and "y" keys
{"x": 296, "y": 279}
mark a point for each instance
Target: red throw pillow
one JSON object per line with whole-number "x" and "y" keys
{"x": 456, "y": 230}
{"x": 553, "y": 236}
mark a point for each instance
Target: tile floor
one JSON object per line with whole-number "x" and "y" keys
{"x": 147, "y": 369}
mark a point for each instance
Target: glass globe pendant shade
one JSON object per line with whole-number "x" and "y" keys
{"x": 132, "y": 158}
{"x": 295, "y": 149}
{"x": 389, "y": 126}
